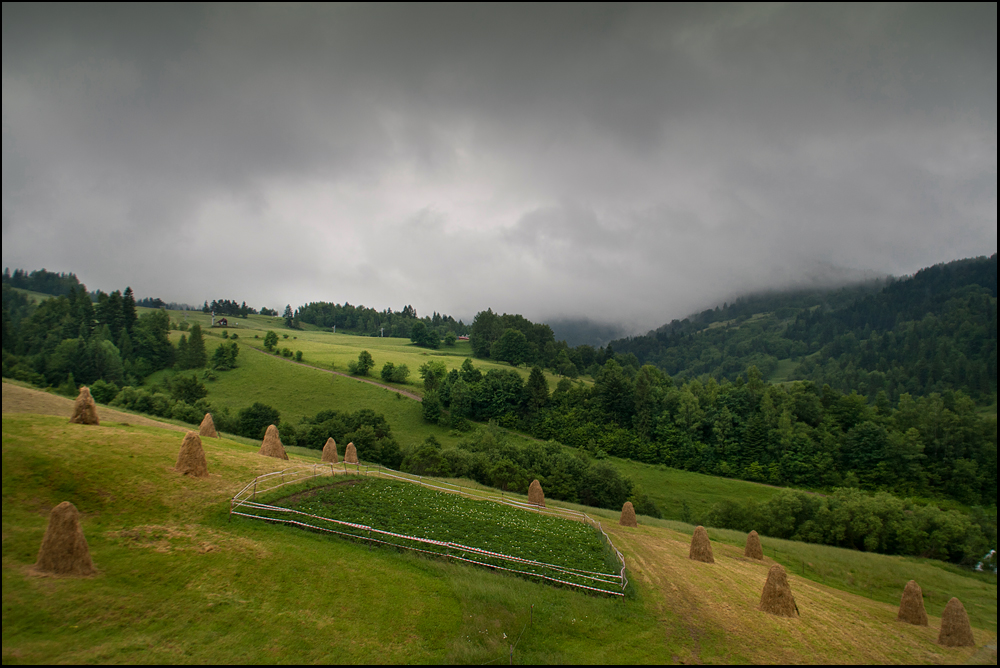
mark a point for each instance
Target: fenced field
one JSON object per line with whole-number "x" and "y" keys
{"x": 443, "y": 519}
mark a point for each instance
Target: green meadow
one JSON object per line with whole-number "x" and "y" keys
{"x": 179, "y": 581}
{"x": 323, "y": 348}
{"x": 298, "y": 391}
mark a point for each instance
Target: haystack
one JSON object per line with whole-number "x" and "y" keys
{"x": 272, "y": 447}
{"x": 911, "y": 607}
{"x": 628, "y": 516}
{"x": 191, "y": 458}
{"x": 535, "y": 494}
{"x": 207, "y": 428}
{"x": 351, "y": 454}
{"x": 777, "y": 597}
{"x": 84, "y": 408}
{"x": 955, "y": 628}
{"x": 753, "y": 550}
{"x": 701, "y": 548}
{"x": 64, "y": 550}
{"x": 330, "y": 451}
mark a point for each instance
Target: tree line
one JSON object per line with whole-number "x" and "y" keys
{"x": 231, "y": 308}
{"x": 69, "y": 340}
{"x": 41, "y": 280}
{"x": 371, "y": 322}
{"x": 870, "y": 522}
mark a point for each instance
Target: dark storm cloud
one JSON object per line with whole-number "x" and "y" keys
{"x": 628, "y": 163}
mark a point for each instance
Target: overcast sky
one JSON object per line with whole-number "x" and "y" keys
{"x": 619, "y": 163}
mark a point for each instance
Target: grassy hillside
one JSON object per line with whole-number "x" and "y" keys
{"x": 299, "y": 391}
{"x": 333, "y": 351}
{"x": 180, "y": 583}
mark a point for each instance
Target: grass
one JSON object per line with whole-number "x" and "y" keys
{"x": 34, "y": 297}
{"x": 875, "y": 576}
{"x": 298, "y": 391}
{"x": 688, "y": 496}
{"x": 406, "y": 508}
{"x": 783, "y": 370}
{"x": 179, "y": 583}
{"x": 327, "y": 350}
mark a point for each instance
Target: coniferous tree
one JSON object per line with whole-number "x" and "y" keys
{"x": 536, "y": 391}
{"x": 196, "y": 355}
{"x": 129, "y": 315}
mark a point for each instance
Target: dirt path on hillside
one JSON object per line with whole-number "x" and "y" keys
{"x": 17, "y": 399}
{"x": 410, "y": 395}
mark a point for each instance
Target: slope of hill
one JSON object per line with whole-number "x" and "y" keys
{"x": 932, "y": 332}
{"x": 177, "y": 582}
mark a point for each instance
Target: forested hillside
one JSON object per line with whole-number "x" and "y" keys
{"x": 933, "y": 332}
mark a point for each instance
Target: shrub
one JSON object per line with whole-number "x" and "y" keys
{"x": 68, "y": 387}
{"x": 363, "y": 366}
{"x": 187, "y": 389}
{"x": 253, "y": 420}
{"x": 431, "y": 407}
{"x": 103, "y": 391}
{"x": 186, "y": 413}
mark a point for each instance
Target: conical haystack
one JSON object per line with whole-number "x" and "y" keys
{"x": 955, "y": 628}
{"x": 777, "y": 597}
{"x": 535, "y": 494}
{"x": 191, "y": 458}
{"x": 628, "y": 516}
{"x": 84, "y": 408}
{"x": 272, "y": 447}
{"x": 351, "y": 454}
{"x": 330, "y": 451}
{"x": 64, "y": 550}
{"x": 701, "y": 548}
{"x": 207, "y": 428}
{"x": 911, "y": 607}
{"x": 753, "y": 549}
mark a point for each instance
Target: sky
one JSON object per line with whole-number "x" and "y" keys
{"x": 623, "y": 164}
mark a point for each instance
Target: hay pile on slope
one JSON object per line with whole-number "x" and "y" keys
{"x": 955, "y": 628}
{"x": 628, "y": 516}
{"x": 272, "y": 447}
{"x": 777, "y": 596}
{"x": 535, "y": 495}
{"x": 330, "y": 451}
{"x": 701, "y": 548}
{"x": 753, "y": 550}
{"x": 84, "y": 408}
{"x": 207, "y": 428}
{"x": 351, "y": 454}
{"x": 911, "y": 607}
{"x": 191, "y": 458}
{"x": 64, "y": 550}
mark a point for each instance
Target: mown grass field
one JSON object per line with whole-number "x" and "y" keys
{"x": 178, "y": 582}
